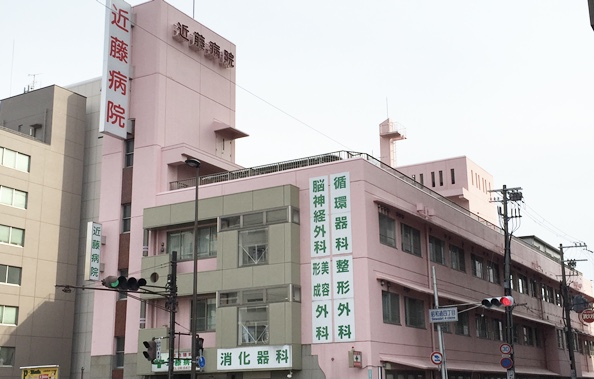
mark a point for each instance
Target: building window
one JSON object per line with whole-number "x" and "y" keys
{"x": 558, "y": 298}
{"x": 414, "y": 310}
{"x": 10, "y": 275}
{"x": 421, "y": 179}
{"x": 516, "y": 337}
{"x": 228, "y": 298}
{"x": 445, "y": 326}
{"x": 457, "y": 258}
{"x": 547, "y": 294}
{"x": 411, "y": 240}
{"x": 12, "y": 236}
{"x": 497, "y": 330}
{"x": 440, "y": 178}
{"x": 119, "y": 353}
{"x": 391, "y": 307}
{"x": 462, "y": 326}
{"x": 13, "y": 197}
{"x": 253, "y": 325}
{"x": 533, "y": 287}
{"x": 253, "y": 247}
{"x": 183, "y": 242}
{"x": 14, "y": 159}
{"x": 142, "y": 320}
{"x": 387, "y": 230}
{"x": 129, "y": 154}
{"x": 482, "y": 328}
{"x": 263, "y": 295}
{"x": 522, "y": 284}
{"x": 436, "y": 250}
{"x": 231, "y": 222}
{"x": 529, "y": 337}
{"x": 493, "y": 272}
{"x": 126, "y": 217}
{"x": 9, "y": 315}
{"x": 207, "y": 315}
{"x": 7, "y": 356}
{"x": 432, "y": 178}
{"x": 477, "y": 266}
{"x": 453, "y": 176}
{"x": 273, "y": 216}
{"x": 207, "y": 241}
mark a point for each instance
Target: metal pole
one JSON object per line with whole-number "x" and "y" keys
{"x": 196, "y": 164}
{"x": 444, "y": 370}
{"x": 509, "y": 320}
{"x": 172, "y": 310}
{"x": 567, "y": 310}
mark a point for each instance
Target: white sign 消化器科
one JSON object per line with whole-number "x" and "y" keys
{"x": 443, "y": 315}
{"x": 254, "y": 357}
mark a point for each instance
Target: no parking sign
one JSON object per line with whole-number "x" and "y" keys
{"x": 436, "y": 358}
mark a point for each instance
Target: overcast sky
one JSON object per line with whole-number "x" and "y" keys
{"x": 509, "y": 84}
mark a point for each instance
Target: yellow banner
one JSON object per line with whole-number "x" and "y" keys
{"x": 39, "y": 372}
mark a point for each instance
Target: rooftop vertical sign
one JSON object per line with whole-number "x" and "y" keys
{"x": 115, "y": 85}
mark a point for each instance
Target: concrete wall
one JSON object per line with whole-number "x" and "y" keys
{"x": 51, "y": 223}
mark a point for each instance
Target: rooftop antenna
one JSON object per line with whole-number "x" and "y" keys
{"x": 31, "y": 86}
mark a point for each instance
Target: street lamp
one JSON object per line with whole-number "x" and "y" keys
{"x": 196, "y": 164}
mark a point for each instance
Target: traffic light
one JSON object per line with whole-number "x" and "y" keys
{"x": 151, "y": 350}
{"x": 506, "y": 301}
{"x": 123, "y": 283}
{"x": 199, "y": 346}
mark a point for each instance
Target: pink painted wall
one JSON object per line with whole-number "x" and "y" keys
{"x": 471, "y": 187}
{"x": 373, "y": 260}
{"x": 176, "y": 96}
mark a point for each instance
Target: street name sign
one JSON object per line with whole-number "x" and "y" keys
{"x": 443, "y": 315}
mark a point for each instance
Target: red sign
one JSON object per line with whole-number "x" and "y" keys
{"x": 587, "y": 316}
{"x": 357, "y": 359}
{"x": 436, "y": 358}
{"x": 505, "y": 348}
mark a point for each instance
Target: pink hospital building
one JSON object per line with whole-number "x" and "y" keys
{"x": 318, "y": 267}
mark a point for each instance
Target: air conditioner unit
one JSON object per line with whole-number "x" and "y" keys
{"x": 420, "y": 208}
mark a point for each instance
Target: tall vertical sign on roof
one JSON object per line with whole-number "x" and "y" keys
{"x": 115, "y": 85}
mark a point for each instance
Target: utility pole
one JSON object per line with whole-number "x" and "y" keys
{"x": 172, "y": 308}
{"x": 567, "y": 306}
{"x": 507, "y": 195}
{"x": 444, "y": 369}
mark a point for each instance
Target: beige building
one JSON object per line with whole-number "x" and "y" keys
{"x": 41, "y": 168}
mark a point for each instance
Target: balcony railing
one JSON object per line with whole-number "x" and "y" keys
{"x": 316, "y": 160}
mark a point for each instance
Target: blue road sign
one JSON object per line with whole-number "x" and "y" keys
{"x": 507, "y": 363}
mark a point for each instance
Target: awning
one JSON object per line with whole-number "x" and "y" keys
{"x": 415, "y": 362}
{"x": 404, "y": 283}
{"x": 227, "y": 131}
{"x": 425, "y": 364}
